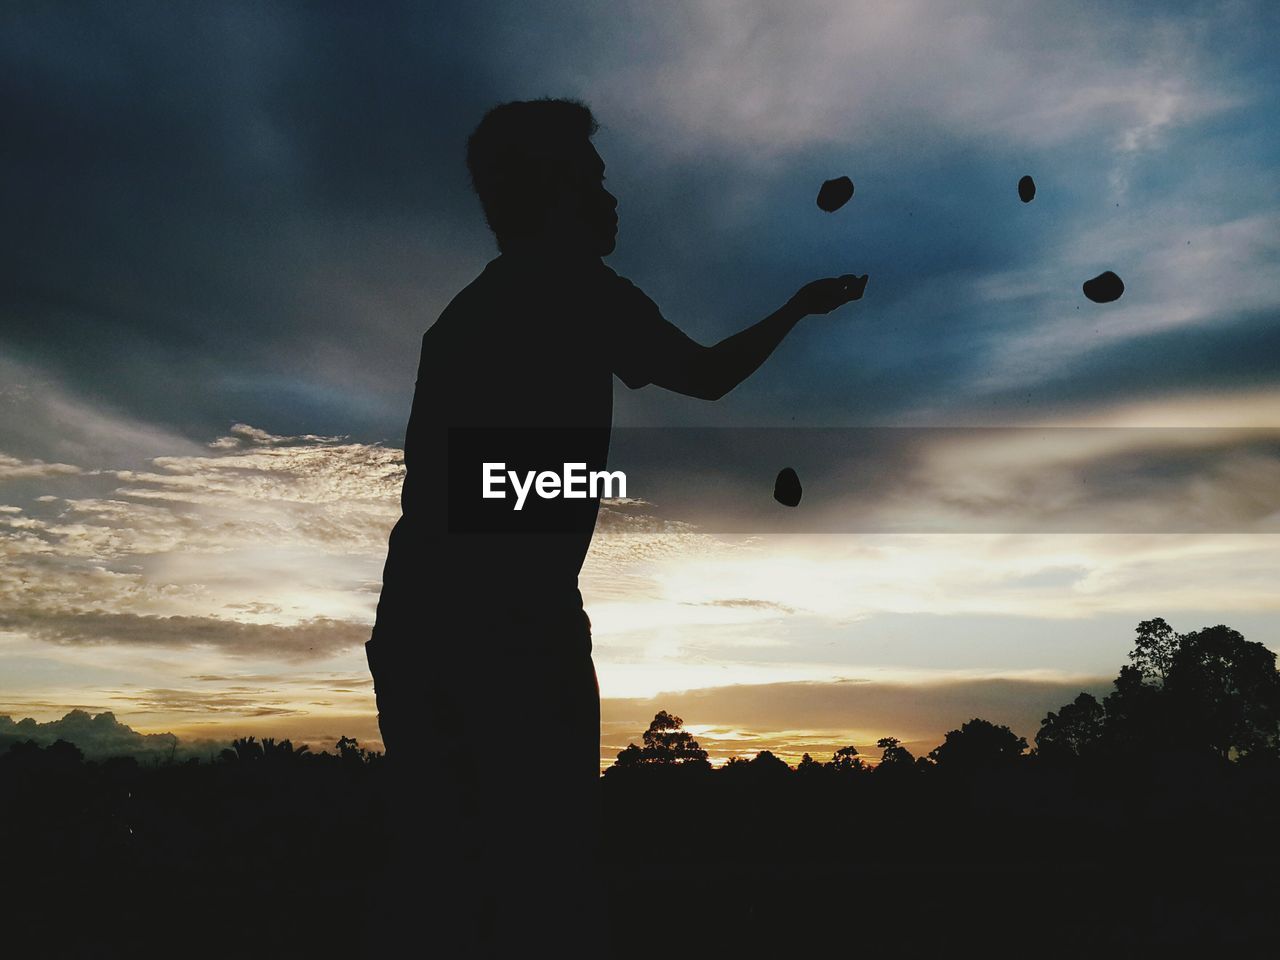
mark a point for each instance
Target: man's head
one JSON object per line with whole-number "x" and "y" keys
{"x": 540, "y": 180}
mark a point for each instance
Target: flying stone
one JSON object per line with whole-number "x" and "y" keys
{"x": 786, "y": 489}
{"x": 1104, "y": 288}
{"x": 835, "y": 194}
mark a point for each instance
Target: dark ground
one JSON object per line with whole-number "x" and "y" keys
{"x": 273, "y": 860}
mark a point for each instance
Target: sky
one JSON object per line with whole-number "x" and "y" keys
{"x": 231, "y": 223}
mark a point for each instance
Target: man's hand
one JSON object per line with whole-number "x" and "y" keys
{"x": 823, "y": 296}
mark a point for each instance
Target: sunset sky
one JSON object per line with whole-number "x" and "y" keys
{"x": 230, "y": 224}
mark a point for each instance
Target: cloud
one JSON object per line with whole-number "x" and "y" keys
{"x": 1053, "y": 477}
{"x": 246, "y": 681}
{"x": 102, "y": 736}
{"x": 310, "y": 639}
{"x": 302, "y": 470}
{"x": 44, "y": 417}
{"x": 272, "y": 546}
{"x": 1205, "y": 289}
{"x": 1160, "y": 480}
{"x": 250, "y": 704}
{"x": 161, "y": 560}
{"x": 12, "y": 468}
{"x": 742, "y": 603}
{"x": 160, "y": 555}
{"x": 761, "y": 79}
{"x": 914, "y": 608}
{"x": 303, "y": 219}
{"x": 274, "y": 193}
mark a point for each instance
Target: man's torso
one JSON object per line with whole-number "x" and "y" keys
{"x": 515, "y": 371}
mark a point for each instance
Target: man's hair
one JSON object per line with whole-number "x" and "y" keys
{"x": 517, "y": 155}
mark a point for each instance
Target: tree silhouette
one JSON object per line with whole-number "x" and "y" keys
{"x": 845, "y": 761}
{"x": 1153, "y": 651}
{"x": 666, "y": 746}
{"x": 1225, "y": 691}
{"x": 894, "y": 754}
{"x": 1076, "y": 730}
{"x": 245, "y": 750}
{"x": 1209, "y": 691}
{"x": 808, "y": 767}
{"x": 666, "y": 742}
{"x": 978, "y": 745}
{"x": 349, "y": 751}
{"x": 764, "y": 767}
{"x": 767, "y": 764}
{"x": 1137, "y": 716}
{"x": 60, "y": 755}
{"x": 630, "y": 756}
{"x": 282, "y": 752}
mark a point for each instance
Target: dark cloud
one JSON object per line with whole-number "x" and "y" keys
{"x": 313, "y": 639}
{"x": 248, "y": 211}
{"x": 1234, "y": 352}
{"x": 247, "y": 701}
{"x": 218, "y": 200}
{"x": 342, "y": 684}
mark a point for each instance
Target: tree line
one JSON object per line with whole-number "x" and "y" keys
{"x": 1208, "y": 695}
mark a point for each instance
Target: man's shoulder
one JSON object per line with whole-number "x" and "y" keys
{"x": 509, "y": 290}
{"x": 467, "y": 302}
{"x": 486, "y": 282}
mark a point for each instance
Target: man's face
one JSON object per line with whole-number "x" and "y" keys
{"x": 587, "y": 215}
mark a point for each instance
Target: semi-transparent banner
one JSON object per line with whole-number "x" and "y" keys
{"x": 865, "y": 479}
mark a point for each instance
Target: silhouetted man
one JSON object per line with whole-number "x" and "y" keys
{"x": 481, "y": 653}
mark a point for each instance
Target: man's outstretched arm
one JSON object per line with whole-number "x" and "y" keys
{"x": 708, "y": 373}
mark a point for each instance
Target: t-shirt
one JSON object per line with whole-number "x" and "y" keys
{"x": 517, "y": 370}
